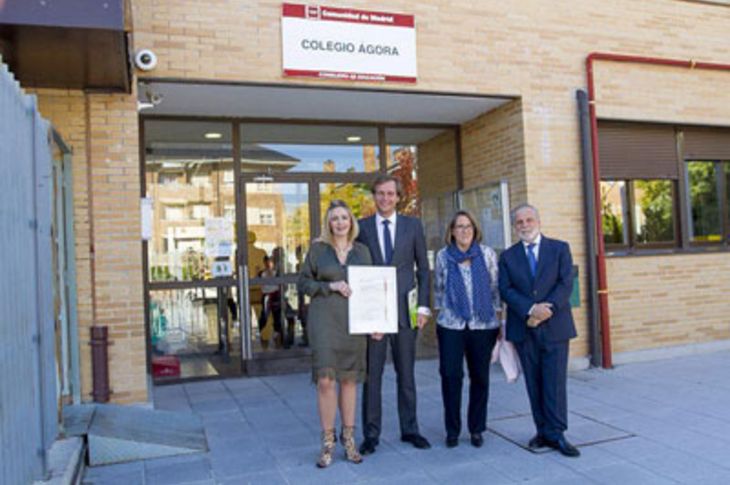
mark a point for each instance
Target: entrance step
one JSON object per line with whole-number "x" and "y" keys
{"x": 282, "y": 361}
{"x": 77, "y": 419}
{"x": 118, "y": 434}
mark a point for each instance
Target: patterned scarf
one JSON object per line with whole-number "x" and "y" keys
{"x": 480, "y": 284}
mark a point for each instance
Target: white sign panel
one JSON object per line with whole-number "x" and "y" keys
{"x": 146, "y": 208}
{"x": 218, "y": 237}
{"x": 348, "y": 44}
{"x": 221, "y": 269}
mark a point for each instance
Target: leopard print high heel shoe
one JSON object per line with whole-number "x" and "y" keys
{"x": 328, "y": 447}
{"x": 347, "y": 437}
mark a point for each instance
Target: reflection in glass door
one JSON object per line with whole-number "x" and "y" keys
{"x": 192, "y": 307}
{"x": 278, "y": 237}
{"x": 355, "y": 195}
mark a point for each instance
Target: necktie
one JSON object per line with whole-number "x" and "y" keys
{"x": 531, "y": 258}
{"x": 387, "y": 242}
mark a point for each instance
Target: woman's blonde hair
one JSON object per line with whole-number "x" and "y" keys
{"x": 327, "y": 235}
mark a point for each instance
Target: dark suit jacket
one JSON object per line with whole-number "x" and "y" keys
{"x": 409, "y": 248}
{"x": 553, "y": 283}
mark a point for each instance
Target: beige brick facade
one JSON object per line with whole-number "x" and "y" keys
{"x": 437, "y": 173}
{"x": 533, "y": 51}
{"x": 661, "y": 301}
{"x": 114, "y": 159}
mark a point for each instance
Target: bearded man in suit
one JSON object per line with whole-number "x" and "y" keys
{"x": 536, "y": 280}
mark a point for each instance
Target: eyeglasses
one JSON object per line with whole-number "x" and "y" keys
{"x": 463, "y": 227}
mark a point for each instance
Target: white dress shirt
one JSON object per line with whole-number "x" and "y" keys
{"x": 381, "y": 242}
{"x": 536, "y": 250}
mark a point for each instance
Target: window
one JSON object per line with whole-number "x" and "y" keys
{"x": 168, "y": 178}
{"x": 181, "y": 167}
{"x": 200, "y": 180}
{"x": 228, "y": 177}
{"x": 174, "y": 213}
{"x": 614, "y": 207}
{"x": 708, "y": 201}
{"x": 229, "y": 212}
{"x": 638, "y": 213}
{"x": 252, "y": 215}
{"x": 266, "y": 217}
{"x": 653, "y": 212}
{"x": 200, "y": 211}
{"x": 269, "y": 147}
{"x": 260, "y": 216}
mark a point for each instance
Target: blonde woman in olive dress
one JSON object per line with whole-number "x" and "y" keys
{"x": 337, "y": 356}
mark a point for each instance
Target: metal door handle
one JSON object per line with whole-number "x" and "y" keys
{"x": 244, "y": 313}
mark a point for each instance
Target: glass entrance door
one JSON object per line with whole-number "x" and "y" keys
{"x": 190, "y": 250}
{"x": 278, "y": 220}
{"x": 282, "y": 216}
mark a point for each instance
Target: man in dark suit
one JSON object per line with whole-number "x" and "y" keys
{"x": 395, "y": 240}
{"x": 536, "y": 280}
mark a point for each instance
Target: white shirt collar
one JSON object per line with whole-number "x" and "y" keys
{"x": 536, "y": 242}
{"x": 379, "y": 219}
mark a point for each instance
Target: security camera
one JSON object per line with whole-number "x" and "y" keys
{"x": 145, "y": 59}
{"x": 154, "y": 97}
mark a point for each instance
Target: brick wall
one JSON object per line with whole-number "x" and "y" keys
{"x": 657, "y": 301}
{"x": 664, "y": 94}
{"x": 437, "y": 164}
{"x": 114, "y": 159}
{"x": 493, "y": 149}
{"x": 111, "y": 149}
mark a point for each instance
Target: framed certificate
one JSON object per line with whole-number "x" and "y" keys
{"x": 373, "y": 304}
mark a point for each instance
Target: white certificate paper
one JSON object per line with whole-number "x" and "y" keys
{"x": 373, "y": 304}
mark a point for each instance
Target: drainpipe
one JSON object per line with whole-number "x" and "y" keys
{"x": 601, "y": 250}
{"x": 594, "y": 317}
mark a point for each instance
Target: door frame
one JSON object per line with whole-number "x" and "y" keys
{"x": 314, "y": 178}
{"x": 313, "y": 181}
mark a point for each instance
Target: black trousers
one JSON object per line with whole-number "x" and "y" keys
{"x": 545, "y": 365}
{"x": 403, "y": 348}
{"x": 476, "y": 346}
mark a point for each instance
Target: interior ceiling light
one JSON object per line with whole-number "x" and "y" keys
{"x": 354, "y": 138}
{"x": 213, "y": 136}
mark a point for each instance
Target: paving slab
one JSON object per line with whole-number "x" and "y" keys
{"x": 583, "y": 431}
{"x": 168, "y": 471}
{"x": 662, "y": 422}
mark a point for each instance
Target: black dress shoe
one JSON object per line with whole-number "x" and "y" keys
{"x": 477, "y": 440}
{"x": 564, "y": 447}
{"x": 536, "y": 442}
{"x": 367, "y": 447}
{"x": 452, "y": 441}
{"x": 416, "y": 440}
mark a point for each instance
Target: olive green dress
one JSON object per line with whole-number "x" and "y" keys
{"x": 335, "y": 353}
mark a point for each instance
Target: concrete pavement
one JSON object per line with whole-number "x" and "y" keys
{"x": 661, "y": 422}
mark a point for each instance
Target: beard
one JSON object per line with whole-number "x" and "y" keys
{"x": 529, "y": 236}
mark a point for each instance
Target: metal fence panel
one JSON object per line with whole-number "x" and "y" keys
{"x": 44, "y": 279}
{"x": 28, "y": 422}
